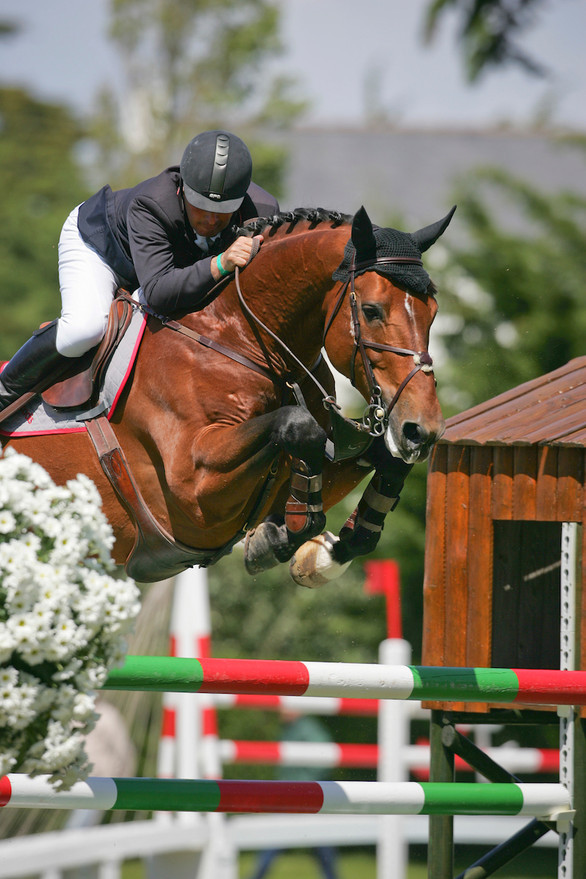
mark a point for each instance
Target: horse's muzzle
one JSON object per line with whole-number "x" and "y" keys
{"x": 411, "y": 440}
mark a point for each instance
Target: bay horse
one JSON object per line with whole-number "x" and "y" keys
{"x": 230, "y": 428}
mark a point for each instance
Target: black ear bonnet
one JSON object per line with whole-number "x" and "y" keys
{"x": 370, "y": 245}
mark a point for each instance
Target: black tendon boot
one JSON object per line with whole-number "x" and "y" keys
{"x": 34, "y": 367}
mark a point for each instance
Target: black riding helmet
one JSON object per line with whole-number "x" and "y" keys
{"x": 216, "y": 169}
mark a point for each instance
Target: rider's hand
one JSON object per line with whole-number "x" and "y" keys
{"x": 238, "y": 254}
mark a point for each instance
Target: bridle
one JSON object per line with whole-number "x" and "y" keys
{"x": 376, "y": 416}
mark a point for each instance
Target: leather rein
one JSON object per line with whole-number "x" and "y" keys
{"x": 152, "y": 541}
{"x": 375, "y": 417}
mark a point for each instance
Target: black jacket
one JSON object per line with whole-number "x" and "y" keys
{"x": 144, "y": 235}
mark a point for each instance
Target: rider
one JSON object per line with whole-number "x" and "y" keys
{"x": 171, "y": 235}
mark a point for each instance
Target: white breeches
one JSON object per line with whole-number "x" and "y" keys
{"x": 87, "y": 287}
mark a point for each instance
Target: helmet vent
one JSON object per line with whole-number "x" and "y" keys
{"x": 220, "y": 166}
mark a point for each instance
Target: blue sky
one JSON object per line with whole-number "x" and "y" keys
{"x": 337, "y": 49}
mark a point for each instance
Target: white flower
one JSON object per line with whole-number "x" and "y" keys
{"x": 7, "y": 643}
{"x": 7, "y": 521}
{"x": 63, "y": 616}
{"x": 14, "y": 555}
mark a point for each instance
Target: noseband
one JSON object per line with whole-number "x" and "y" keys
{"x": 376, "y": 415}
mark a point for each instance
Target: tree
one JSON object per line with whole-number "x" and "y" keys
{"x": 209, "y": 70}
{"x": 512, "y": 303}
{"x": 488, "y": 32}
{"x": 41, "y": 182}
{"x": 192, "y": 65}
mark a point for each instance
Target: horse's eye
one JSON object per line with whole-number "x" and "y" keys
{"x": 372, "y": 312}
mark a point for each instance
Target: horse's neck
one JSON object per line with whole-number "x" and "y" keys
{"x": 292, "y": 276}
{"x": 285, "y": 288}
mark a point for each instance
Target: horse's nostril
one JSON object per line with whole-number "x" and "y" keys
{"x": 414, "y": 433}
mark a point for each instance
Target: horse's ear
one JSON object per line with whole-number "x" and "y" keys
{"x": 363, "y": 237}
{"x": 429, "y": 234}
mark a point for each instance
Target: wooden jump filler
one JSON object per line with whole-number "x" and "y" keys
{"x": 505, "y": 489}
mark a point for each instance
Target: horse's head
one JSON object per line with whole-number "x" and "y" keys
{"x": 391, "y": 307}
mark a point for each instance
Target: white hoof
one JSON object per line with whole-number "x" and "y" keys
{"x": 313, "y": 564}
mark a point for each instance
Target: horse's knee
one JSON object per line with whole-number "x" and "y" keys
{"x": 297, "y": 432}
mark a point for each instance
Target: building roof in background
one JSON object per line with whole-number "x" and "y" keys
{"x": 409, "y": 176}
{"x": 549, "y": 410}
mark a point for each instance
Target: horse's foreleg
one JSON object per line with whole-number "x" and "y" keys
{"x": 326, "y": 557}
{"x": 276, "y": 539}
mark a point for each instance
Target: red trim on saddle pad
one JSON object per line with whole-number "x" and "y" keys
{"x": 70, "y": 426}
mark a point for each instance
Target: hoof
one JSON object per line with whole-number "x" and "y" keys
{"x": 313, "y": 564}
{"x": 259, "y": 548}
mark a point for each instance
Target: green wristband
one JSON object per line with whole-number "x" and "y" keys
{"x": 220, "y": 267}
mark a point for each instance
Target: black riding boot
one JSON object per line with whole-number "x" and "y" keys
{"x": 35, "y": 366}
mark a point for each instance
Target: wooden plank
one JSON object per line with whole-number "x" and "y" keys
{"x": 581, "y": 604}
{"x": 440, "y": 606}
{"x": 441, "y": 640}
{"x": 480, "y": 544}
{"x": 457, "y": 512}
{"x": 434, "y": 582}
{"x": 546, "y": 487}
{"x": 553, "y": 412}
{"x": 480, "y": 547}
{"x": 580, "y": 644}
{"x": 570, "y": 485}
{"x": 524, "y": 482}
{"x": 568, "y": 374}
{"x": 502, "y": 488}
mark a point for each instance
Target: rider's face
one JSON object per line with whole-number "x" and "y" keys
{"x": 206, "y": 223}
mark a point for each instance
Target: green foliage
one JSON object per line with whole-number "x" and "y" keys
{"x": 41, "y": 182}
{"x": 268, "y": 616}
{"x": 488, "y": 31}
{"x": 512, "y": 303}
{"x": 210, "y": 72}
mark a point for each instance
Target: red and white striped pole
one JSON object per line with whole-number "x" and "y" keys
{"x": 188, "y": 744}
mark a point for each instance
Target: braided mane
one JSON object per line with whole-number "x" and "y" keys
{"x": 314, "y": 216}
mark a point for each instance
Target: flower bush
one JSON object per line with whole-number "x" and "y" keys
{"x": 64, "y": 616}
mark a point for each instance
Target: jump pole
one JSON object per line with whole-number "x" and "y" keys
{"x": 333, "y": 755}
{"x": 547, "y": 801}
{"x": 299, "y": 704}
{"x": 352, "y": 680}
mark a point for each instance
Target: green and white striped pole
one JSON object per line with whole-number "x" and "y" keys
{"x": 325, "y": 797}
{"x": 350, "y": 680}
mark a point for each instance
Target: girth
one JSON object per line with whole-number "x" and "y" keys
{"x": 156, "y": 554}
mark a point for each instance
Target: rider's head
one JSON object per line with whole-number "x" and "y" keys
{"x": 216, "y": 169}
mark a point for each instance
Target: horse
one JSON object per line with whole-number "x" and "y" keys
{"x": 229, "y": 427}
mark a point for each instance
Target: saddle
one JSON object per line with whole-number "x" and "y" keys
{"x": 81, "y": 384}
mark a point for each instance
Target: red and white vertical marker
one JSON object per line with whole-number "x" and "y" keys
{"x": 188, "y": 746}
{"x": 382, "y": 577}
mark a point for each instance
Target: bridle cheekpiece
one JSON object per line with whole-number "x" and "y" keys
{"x": 376, "y": 415}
